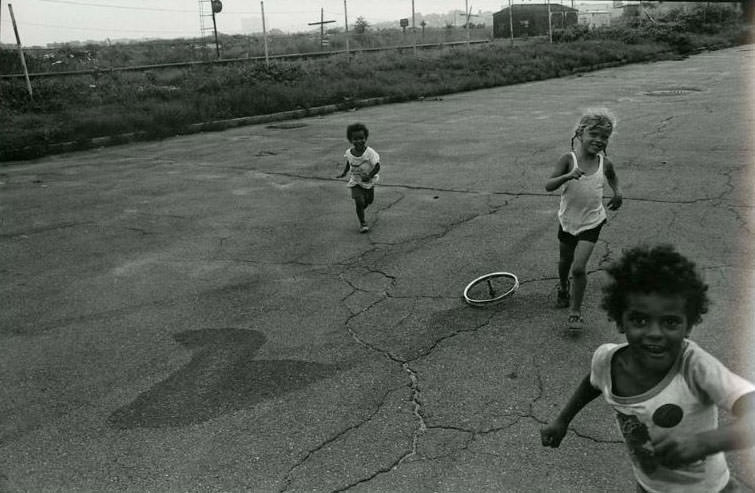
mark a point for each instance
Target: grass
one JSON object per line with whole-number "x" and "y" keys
{"x": 163, "y": 103}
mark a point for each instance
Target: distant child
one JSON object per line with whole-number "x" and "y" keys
{"x": 580, "y": 175}
{"x": 664, "y": 388}
{"x": 364, "y": 164}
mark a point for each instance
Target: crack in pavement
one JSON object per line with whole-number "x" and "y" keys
{"x": 494, "y": 192}
{"x": 380, "y": 250}
{"x": 288, "y": 479}
{"x": 383, "y": 209}
{"x": 414, "y": 383}
{"x": 45, "y": 229}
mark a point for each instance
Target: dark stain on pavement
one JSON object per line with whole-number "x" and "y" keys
{"x": 222, "y": 377}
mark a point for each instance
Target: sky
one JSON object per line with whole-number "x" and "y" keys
{"x": 49, "y": 21}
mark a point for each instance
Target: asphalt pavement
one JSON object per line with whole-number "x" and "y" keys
{"x": 202, "y": 314}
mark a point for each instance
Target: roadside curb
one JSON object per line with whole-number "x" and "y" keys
{"x": 32, "y": 152}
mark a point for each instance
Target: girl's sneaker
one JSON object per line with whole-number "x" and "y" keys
{"x": 364, "y": 228}
{"x": 562, "y": 297}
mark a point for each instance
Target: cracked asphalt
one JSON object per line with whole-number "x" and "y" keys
{"x": 201, "y": 313}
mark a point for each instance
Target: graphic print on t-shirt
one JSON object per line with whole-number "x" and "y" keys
{"x": 637, "y": 438}
{"x": 668, "y": 416}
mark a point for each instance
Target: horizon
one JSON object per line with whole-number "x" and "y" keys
{"x": 56, "y": 22}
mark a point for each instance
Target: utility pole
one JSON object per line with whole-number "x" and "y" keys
{"x": 322, "y": 26}
{"x": 346, "y": 23}
{"x": 20, "y": 51}
{"x": 511, "y": 22}
{"x": 264, "y": 34}
{"x": 414, "y": 31}
{"x": 215, "y": 5}
{"x": 550, "y": 28}
{"x": 466, "y": 13}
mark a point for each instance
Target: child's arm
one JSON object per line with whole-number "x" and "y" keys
{"x": 562, "y": 174}
{"x": 674, "y": 451}
{"x": 372, "y": 173}
{"x": 345, "y": 170}
{"x": 555, "y": 431}
{"x": 613, "y": 182}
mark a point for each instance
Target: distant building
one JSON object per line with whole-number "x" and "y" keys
{"x": 596, "y": 18}
{"x": 532, "y": 20}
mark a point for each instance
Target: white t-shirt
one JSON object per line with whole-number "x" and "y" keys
{"x": 360, "y": 166}
{"x": 685, "y": 401}
{"x": 581, "y": 205}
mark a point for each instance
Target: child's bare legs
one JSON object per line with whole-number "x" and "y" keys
{"x": 582, "y": 254}
{"x": 565, "y": 259}
{"x": 362, "y": 198}
{"x": 361, "y": 205}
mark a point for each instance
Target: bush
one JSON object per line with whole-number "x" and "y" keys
{"x": 162, "y": 103}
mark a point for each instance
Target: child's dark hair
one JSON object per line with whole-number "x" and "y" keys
{"x": 659, "y": 269}
{"x": 356, "y": 127}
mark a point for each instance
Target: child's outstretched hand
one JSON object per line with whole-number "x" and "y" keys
{"x": 553, "y": 434}
{"x": 676, "y": 451}
{"x": 615, "y": 202}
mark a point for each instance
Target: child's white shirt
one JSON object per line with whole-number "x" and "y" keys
{"x": 686, "y": 401}
{"x": 581, "y": 205}
{"x": 360, "y": 166}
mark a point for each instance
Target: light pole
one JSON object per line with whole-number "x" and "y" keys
{"x": 346, "y": 23}
{"x": 414, "y": 32}
{"x": 216, "y": 6}
{"x": 466, "y": 14}
{"x": 264, "y": 34}
{"x": 511, "y": 22}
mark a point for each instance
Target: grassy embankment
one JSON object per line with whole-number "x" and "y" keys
{"x": 161, "y": 103}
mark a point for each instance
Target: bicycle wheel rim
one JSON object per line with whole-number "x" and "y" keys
{"x": 472, "y": 297}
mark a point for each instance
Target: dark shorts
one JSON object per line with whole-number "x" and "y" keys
{"x": 590, "y": 235}
{"x": 365, "y": 194}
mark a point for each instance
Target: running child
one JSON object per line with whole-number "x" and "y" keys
{"x": 664, "y": 388}
{"x": 364, "y": 164}
{"x": 580, "y": 175}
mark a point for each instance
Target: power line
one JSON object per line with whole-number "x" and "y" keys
{"x": 98, "y": 30}
{"x": 154, "y": 9}
{"x": 126, "y": 7}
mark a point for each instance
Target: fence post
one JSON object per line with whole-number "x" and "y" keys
{"x": 264, "y": 34}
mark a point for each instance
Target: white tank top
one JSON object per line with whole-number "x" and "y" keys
{"x": 582, "y": 201}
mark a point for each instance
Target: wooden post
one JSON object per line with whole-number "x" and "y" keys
{"x": 215, "y": 29}
{"x": 466, "y": 16}
{"x": 346, "y": 23}
{"x": 20, "y": 51}
{"x": 550, "y": 28}
{"x": 414, "y": 32}
{"x": 322, "y": 26}
{"x": 264, "y": 34}
{"x": 511, "y": 22}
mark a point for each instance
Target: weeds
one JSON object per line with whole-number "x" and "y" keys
{"x": 157, "y": 103}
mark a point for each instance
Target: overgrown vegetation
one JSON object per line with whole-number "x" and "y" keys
{"x": 163, "y": 102}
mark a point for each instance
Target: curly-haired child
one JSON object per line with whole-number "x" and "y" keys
{"x": 663, "y": 387}
{"x": 364, "y": 164}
